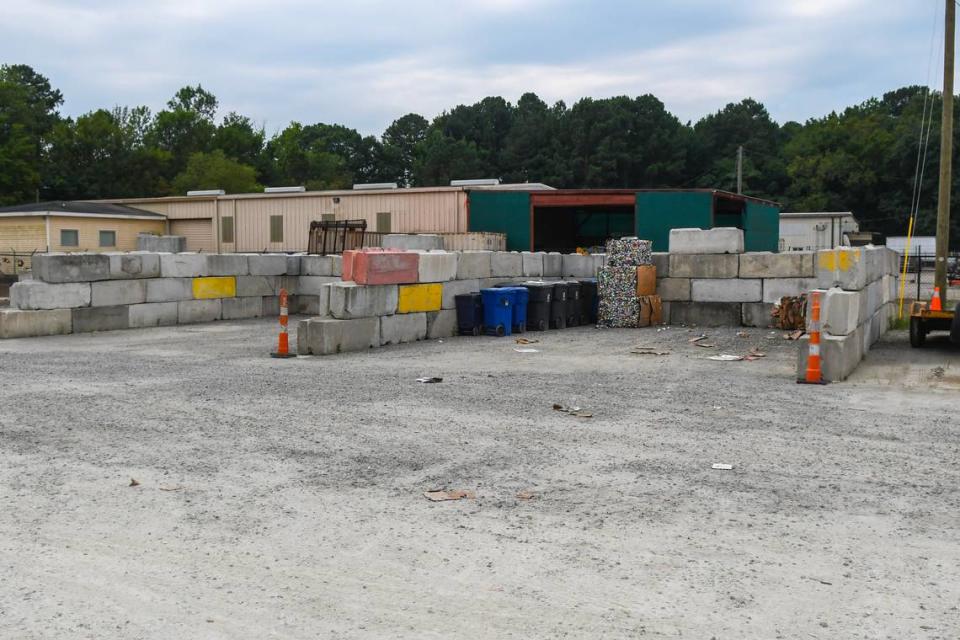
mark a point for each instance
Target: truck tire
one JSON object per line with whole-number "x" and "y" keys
{"x": 918, "y": 333}
{"x": 955, "y": 326}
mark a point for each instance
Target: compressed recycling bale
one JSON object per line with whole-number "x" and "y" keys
{"x": 454, "y": 288}
{"x": 414, "y": 298}
{"x": 437, "y": 266}
{"x": 617, "y": 290}
{"x": 34, "y": 295}
{"x": 575, "y": 265}
{"x": 706, "y": 314}
{"x": 153, "y": 314}
{"x": 552, "y": 265}
{"x": 629, "y": 252}
{"x": 350, "y": 300}
{"x": 113, "y": 292}
{"x": 506, "y": 264}
{"x": 17, "y": 323}
{"x": 764, "y": 264}
{"x": 531, "y": 264}
{"x": 441, "y": 324}
{"x": 169, "y": 289}
{"x": 74, "y": 267}
{"x": 327, "y": 336}
{"x": 192, "y": 311}
{"x": 267, "y": 264}
{"x": 134, "y": 265}
{"x": 704, "y": 266}
{"x": 646, "y": 280}
{"x": 89, "y": 319}
{"x": 228, "y": 264}
{"x": 402, "y": 328}
{"x": 726, "y": 290}
{"x": 240, "y": 308}
{"x": 183, "y": 265}
{"x": 474, "y": 264}
{"x": 776, "y": 288}
{"x": 706, "y": 241}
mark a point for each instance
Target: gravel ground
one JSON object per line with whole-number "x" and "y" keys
{"x": 284, "y": 498}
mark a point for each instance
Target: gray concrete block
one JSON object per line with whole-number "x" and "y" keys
{"x": 489, "y": 283}
{"x": 552, "y": 265}
{"x": 412, "y": 241}
{"x": 706, "y": 241}
{"x": 293, "y": 264}
{"x": 271, "y": 306}
{"x": 183, "y": 265}
{"x": 326, "y": 336}
{"x": 670, "y": 289}
{"x": 17, "y": 323}
{"x": 169, "y": 289}
{"x": 706, "y": 314}
{"x": 311, "y": 305}
{"x": 704, "y": 266}
{"x": 349, "y": 300}
{"x": 575, "y": 265}
{"x": 227, "y": 264}
{"x": 726, "y": 290}
{"x": 314, "y": 285}
{"x": 403, "y": 327}
{"x": 193, "y": 311}
{"x": 267, "y": 264}
{"x": 316, "y": 265}
{"x": 109, "y": 293}
{"x": 89, "y": 319}
{"x": 337, "y": 266}
{"x": 764, "y": 264}
{"x": 437, "y": 266}
{"x": 454, "y": 288}
{"x": 876, "y": 260}
{"x": 507, "y": 264}
{"x": 153, "y": 314}
{"x": 894, "y": 262}
{"x": 532, "y": 264}
{"x": 474, "y": 264}
{"x": 839, "y": 355}
{"x": 134, "y": 265}
{"x": 661, "y": 260}
{"x": 873, "y": 297}
{"x": 756, "y": 314}
{"x": 240, "y": 308}
{"x": 34, "y": 294}
{"x": 441, "y": 324}
{"x": 249, "y": 286}
{"x": 76, "y": 267}
{"x": 840, "y": 312}
{"x": 776, "y": 288}
{"x": 844, "y": 267}
{"x": 161, "y": 244}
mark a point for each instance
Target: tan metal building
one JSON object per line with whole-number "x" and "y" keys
{"x": 281, "y": 221}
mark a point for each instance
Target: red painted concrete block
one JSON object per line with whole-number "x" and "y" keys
{"x": 347, "y": 267}
{"x": 386, "y": 267}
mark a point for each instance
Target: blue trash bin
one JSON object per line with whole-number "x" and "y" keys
{"x": 521, "y": 296}
{"x": 498, "y": 311}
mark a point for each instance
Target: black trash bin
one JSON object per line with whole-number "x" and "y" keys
{"x": 573, "y": 303}
{"x": 469, "y": 314}
{"x": 588, "y": 301}
{"x": 540, "y": 294}
{"x": 558, "y": 306}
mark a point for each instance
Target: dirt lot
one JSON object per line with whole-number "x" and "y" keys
{"x": 284, "y": 498}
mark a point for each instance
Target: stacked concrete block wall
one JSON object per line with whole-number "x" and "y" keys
{"x": 857, "y": 287}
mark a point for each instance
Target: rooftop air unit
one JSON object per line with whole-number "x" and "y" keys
{"x": 207, "y": 192}
{"x": 480, "y": 182}
{"x": 284, "y": 189}
{"x": 375, "y": 185}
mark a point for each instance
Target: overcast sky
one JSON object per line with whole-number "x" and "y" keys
{"x": 364, "y": 63}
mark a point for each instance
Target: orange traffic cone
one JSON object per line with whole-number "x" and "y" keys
{"x": 935, "y": 303}
{"x": 283, "y": 343}
{"x": 814, "y": 374}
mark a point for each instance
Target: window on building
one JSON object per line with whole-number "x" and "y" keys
{"x": 108, "y": 238}
{"x": 383, "y": 222}
{"x": 328, "y": 217}
{"x": 276, "y": 228}
{"x": 69, "y": 238}
{"x": 226, "y": 229}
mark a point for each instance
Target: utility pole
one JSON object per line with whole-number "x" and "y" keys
{"x": 946, "y": 152}
{"x": 740, "y": 169}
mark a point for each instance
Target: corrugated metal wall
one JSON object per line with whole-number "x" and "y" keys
{"x": 199, "y": 234}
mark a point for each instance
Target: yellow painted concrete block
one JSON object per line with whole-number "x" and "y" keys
{"x": 415, "y": 298}
{"x": 218, "y": 287}
{"x": 839, "y": 259}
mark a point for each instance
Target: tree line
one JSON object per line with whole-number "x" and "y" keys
{"x": 863, "y": 159}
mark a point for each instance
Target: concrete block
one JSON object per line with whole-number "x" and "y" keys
{"x": 249, "y": 286}
{"x": 134, "y": 265}
{"x": 552, "y": 265}
{"x": 228, "y": 264}
{"x": 193, "y": 311}
{"x": 441, "y": 324}
{"x": 873, "y": 296}
{"x": 388, "y": 267}
{"x": 489, "y": 283}
{"x": 776, "y": 288}
{"x": 704, "y": 266}
{"x": 326, "y": 336}
{"x": 876, "y": 261}
{"x": 408, "y": 327}
{"x": 474, "y": 264}
{"x": 706, "y": 314}
{"x": 214, "y": 287}
{"x": 840, "y": 312}
{"x": 531, "y": 264}
{"x": 894, "y": 262}
{"x": 240, "y": 308}
{"x": 839, "y": 355}
{"x": 891, "y": 288}
{"x": 34, "y": 294}
{"x": 267, "y": 264}
{"x": 599, "y": 261}
{"x": 674, "y": 289}
{"x": 350, "y": 300}
{"x": 706, "y": 241}
{"x": 169, "y": 289}
{"x": 507, "y": 264}
{"x": 575, "y": 265}
{"x": 437, "y": 266}
{"x": 337, "y": 265}
{"x": 415, "y": 298}
{"x": 312, "y": 305}
{"x": 726, "y": 290}
{"x": 454, "y": 288}
{"x": 17, "y": 323}
{"x": 163, "y": 244}
{"x": 661, "y": 260}
{"x": 89, "y": 319}
{"x": 756, "y": 314}
{"x": 183, "y": 265}
{"x": 293, "y": 264}
{"x": 317, "y": 265}
{"x": 314, "y": 285}
{"x": 271, "y": 306}
{"x": 412, "y": 241}
{"x": 109, "y": 293}
{"x": 153, "y": 314}
{"x": 76, "y": 267}
{"x": 764, "y": 264}
{"x": 844, "y": 267}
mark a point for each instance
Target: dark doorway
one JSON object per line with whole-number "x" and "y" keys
{"x": 565, "y": 229}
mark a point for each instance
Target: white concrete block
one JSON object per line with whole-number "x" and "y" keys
{"x": 227, "y": 264}
{"x": 403, "y": 327}
{"x": 113, "y": 292}
{"x": 575, "y": 265}
{"x": 412, "y": 241}
{"x": 532, "y": 264}
{"x": 438, "y": 266}
{"x": 674, "y": 289}
{"x": 248, "y": 286}
{"x": 35, "y": 295}
{"x": 183, "y": 265}
{"x": 706, "y": 241}
{"x": 704, "y": 266}
{"x": 874, "y": 298}
{"x": 327, "y": 336}
{"x": 840, "y": 312}
{"x": 764, "y": 264}
{"x": 454, "y": 288}
{"x": 153, "y": 314}
{"x": 839, "y": 355}
{"x": 193, "y": 311}
{"x": 776, "y": 288}
{"x": 349, "y": 300}
{"x": 134, "y": 265}
{"x": 312, "y": 305}
{"x": 241, "y": 308}
{"x": 169, "y": 289}
{"x": 726, "y": 290}
{"x": 293, "y": 264}
{"x": 74, "y": 267}
{"x": 552, "y": 265}
{"x": 506, "y": 264}
{"x": 267, "y": 264}
{"x": 314, "y": 285}
{"x": 317, "y": 265}
{"x": 17, "y": 323}
{"x": 474, "y": 264}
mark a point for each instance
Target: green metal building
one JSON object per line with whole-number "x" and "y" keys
{"x": 564, "y": 219}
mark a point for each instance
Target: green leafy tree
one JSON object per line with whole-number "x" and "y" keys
{"x": 400, "y": 142}
{"x": 215, "y": 170}
{"x": 441, "y": 159}
{"x": 186, "y": 126}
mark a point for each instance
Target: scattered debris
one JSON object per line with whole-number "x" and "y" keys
{"x": 937, "y": 372}
{"x": 743, "y": 334}
{"x": 700, "y": 337}
{"x": 722, "y": 467}
{"x": 726, "y": 357}
{"x": 440, "y": 495}
{"x": 648, "y": 351}
{"x": 793, "y": 335}
{"x": 525, "y": 495}
{"x": 790, "y": 312}
{"x": 176, "y": 488}
{"x": 134, "y": 482}
{"x": 429, "y": 380}
{"x": 705, "y": 345}
{"x": 819, "y": 580}
{"x": 526, "y": 350}
{"x": 573, "y": 411}
{"x": 526, "y": 341}
{"x": 755, "y": 353}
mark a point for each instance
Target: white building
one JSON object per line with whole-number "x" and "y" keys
{"x": 815, "y": 231}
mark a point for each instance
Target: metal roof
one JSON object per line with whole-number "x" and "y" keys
{"x": 816, "y": 214}
{"x": 77, "y": 208}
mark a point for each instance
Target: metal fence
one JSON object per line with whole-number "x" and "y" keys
{"x": 921, "y": 269}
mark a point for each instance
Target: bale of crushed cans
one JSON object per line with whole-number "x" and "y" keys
{"x": 617, "y": 290}
{"x": 629, "y": 252}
